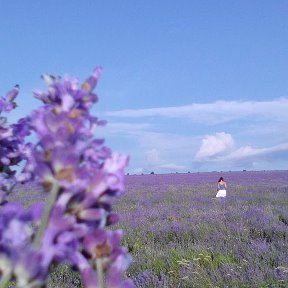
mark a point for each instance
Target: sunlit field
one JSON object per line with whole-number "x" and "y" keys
{"x": 180, "y": 235}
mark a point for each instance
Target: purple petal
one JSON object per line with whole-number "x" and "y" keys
{"x": 91, "y": 82}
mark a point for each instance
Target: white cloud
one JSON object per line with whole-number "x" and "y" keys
{"x": 152, "y": 156}
{"x": 172, "y": 167}
{"x": 220, "y": 148}
{"x": 150, "y": 149}
{"x": 124, "y": 129}
{"x": 214, "y": 113}
{"x": 254, "y": 136}
{"x": 120, "y": 127}
{"x": 248, "y": 152}
{"x": 214, "y": 145}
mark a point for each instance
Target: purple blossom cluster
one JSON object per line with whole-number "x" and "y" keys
{"x": 12, "y": 145}
{"x": 82, "y": 179}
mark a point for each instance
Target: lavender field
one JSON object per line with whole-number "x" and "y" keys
{"x": 180, "y": 235}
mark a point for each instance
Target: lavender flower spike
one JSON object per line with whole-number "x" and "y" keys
{"x": 82, "y": 183}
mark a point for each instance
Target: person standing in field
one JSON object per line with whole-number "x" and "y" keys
{"x": 221, "y": 188}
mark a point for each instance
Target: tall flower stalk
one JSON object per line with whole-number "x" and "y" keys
{"x": 83, "y": 178}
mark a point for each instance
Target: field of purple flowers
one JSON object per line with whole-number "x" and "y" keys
{"x": 180, "y": 235}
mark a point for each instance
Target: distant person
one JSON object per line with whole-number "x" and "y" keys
{"x": 221, "y": 188}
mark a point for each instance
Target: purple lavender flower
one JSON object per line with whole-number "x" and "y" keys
{"x": 82, "y": 182}
{"x": 16, "y": 234}
{"x": 7, "y": 103}
{"x": 11, "y": 144}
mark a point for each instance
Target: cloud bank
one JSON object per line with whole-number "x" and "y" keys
{"x": 216, "y": 112}
{"x": 212, "y": 136}
{"x": 220, "y": 148}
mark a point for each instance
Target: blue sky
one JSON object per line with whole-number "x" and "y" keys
{"x": 186, "y": 85}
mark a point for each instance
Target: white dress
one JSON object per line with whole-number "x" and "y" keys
{"x": 222, "y": 191}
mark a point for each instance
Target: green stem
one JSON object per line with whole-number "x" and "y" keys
{"x": 100, "y": 273}
{"x": 11, "y": 189}
{"x": 45, "y": 216}
{"x": 5, "y": 280}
